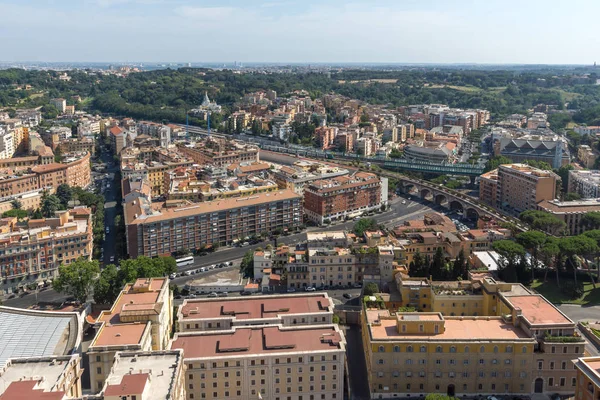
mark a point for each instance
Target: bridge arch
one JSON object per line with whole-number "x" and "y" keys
{"x": 426, "y": 194}
{"x": 441, "y": 198}
{"x": 456, "y": 205}
{"x": 409, "y": 188}
{"x": 471, "y": 213}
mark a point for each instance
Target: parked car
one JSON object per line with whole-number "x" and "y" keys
{"x": 107, "y": 230}
{"x": 112, "y": 258}
{"x": 310, "y": 289}
{"x": 173, "y": 276}
{"x": 347, "y": 296}
{"x": 291, "y": 290}
{"x": 213, "y": 294}
{"x": 357, "y": 285}
{"x": 245, "y": 293}
{"x": 223, "y": 294}
{"x": 403, "y": 201}
{"x": 188, "y": 273}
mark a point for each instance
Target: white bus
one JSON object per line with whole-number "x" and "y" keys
{"x": 184, "y": 261}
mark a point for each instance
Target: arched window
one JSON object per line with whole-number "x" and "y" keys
{"x": 438, "y": 349}
{"x": 482, "y": 349}
{"x": 453, "y": 349}
{"x": 396, "y": 349}
{"x": 409, "y": 349}
{"x": 495, "y": 349}
{"x": 524, "y": 349}
{"x": 381, "y": 349}
{"x": 466, "y": 349}
{"x": 509, "y": 349}
{"x": 423, "y": 349}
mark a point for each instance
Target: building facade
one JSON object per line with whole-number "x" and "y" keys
{"x": 521, "y": 187}
{"x": 570, "y": 212}
{"x": 154, "y": 232}
{"x": 585, "y": 183}
{"x": 29, "y": 256}
{"x": 344, "y": 196}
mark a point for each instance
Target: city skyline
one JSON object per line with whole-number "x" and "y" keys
{"x": 285, "y": 31}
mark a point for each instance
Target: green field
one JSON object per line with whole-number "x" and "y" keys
{"x": 551, "y": 291}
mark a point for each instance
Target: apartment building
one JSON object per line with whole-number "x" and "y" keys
{"x": 74, "y": 171}
{"x": 151, "y": 231}
{"x": 521, "y": 187}
{"x": 570, "y": 212}
{"x": 492, "y": 337}
{"x": 7, "y": 143}
{"x": 59, "y": 103}
{"x": 146, "y": 376}
{"x": 220, "y": 152}
{"x": 31, "y": 253}
{"x": 118, "y": 139}
{"x": 76, "y": 145}
{"x": 302, "y": 173}
{"x": 588, "y": 378}
{"x": 52, "y": 378}
{"x": 267, "y": 361}
{"x": 184, "y": 183}
{"x": 286, "y": 310}
{"x": 344, "y": 196}
{"x": 162, "y": 132}
{"x": 587, "y": 130}
{"x": 325, "y": 136}
{"x": 139, "y": 320}
{"x": 585, "y": 183}
{"x": 586, "y": 156}
{"x": 488, "y": 187}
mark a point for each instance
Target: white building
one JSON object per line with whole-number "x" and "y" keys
{"x": 7, "y": 143}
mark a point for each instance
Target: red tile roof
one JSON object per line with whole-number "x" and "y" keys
{"x": 257, "y": 341}
{"x": 254, "y": 308}
{"x": 133, "y": 384}
{"x": 24, "y": 390}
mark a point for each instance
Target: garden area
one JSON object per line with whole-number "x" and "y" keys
{"x": 558, "y": 295}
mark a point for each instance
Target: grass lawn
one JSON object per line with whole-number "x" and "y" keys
{"x": 550, "y": 291}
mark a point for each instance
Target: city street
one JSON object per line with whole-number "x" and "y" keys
{"x": 110, "y": 210}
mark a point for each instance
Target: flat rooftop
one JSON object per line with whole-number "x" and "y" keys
{"x": 255, "y": 307}
{"x": 132, "y": 372}
{"x": 31, "y": 370}
{"x": 119, "y": 335}
{"x": 538, "y": 311}
{"x": 590, "y": 366}
{"x": 467, "y": 329}
{"x": 28, "y": 333}
{"x": 259, "y": 340}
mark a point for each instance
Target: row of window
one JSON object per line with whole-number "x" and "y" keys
{"x": 253, "y": 392}
{"x": 465, "y": 362}
{"x": 452, "y": 374}
{"x": 453, "y": 349}
{"x": 215, "y": 385}
{"x": 288, "y": 360}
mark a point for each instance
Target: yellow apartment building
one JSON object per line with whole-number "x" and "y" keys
{"x": 588, "y": 378}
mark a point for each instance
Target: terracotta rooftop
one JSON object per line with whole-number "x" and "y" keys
{"x": 256, "y": 341}
{"x": 256, "y": 307}
{"x": 133, "y": 384}
{"x": 538, "y": 311}
{"x": 25, "y": 390}
{"x": 469, "y": 328}
{"x": 120, "y": 335}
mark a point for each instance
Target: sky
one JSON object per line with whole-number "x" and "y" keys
{"x": 327, "y": 31}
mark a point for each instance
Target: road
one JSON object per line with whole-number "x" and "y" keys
{"x": 582, "y": 313}
{"x": 110, "y": 210}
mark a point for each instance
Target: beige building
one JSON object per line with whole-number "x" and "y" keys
{"x": 275, "y": 362}
{"x": 49, "y": 378}
{"x": 42, "y": 246}
{"x": 146, "y": 375}
{"x": 476, "y": 338}
{"x": 586, "y": 156}
{"x": 588, "y": 378}
{"x": 139, "y": 320}
{"x": 521, "y": 187}
{"x": 285, "y": 310}
{"x": 570, "y": 212}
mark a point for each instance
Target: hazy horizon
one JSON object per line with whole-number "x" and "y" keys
{"x": 466, "y": 32}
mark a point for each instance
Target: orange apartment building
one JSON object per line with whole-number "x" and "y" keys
{"x": 31, "y": 254}
{"x": 518, "y": 187}
{"x": 344, "y": 196}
